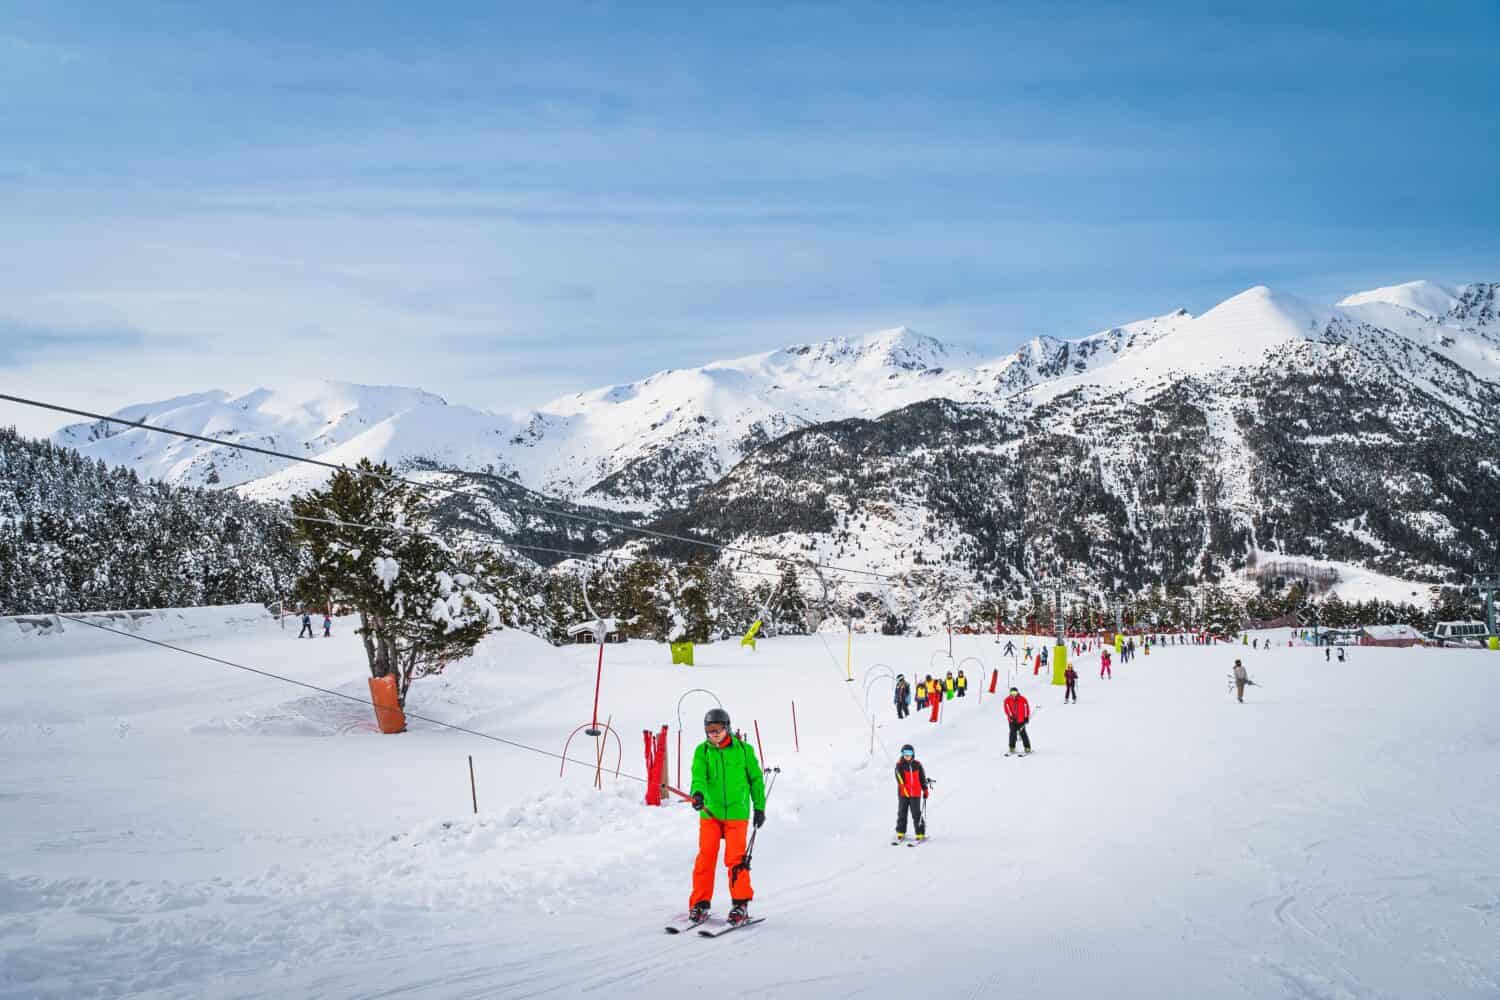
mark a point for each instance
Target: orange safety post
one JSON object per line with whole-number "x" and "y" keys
{"x": 387, "y": 704}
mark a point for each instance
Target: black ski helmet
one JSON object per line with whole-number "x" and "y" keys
{"x": 907, "y": 747}
{"x": 716, "y": 715}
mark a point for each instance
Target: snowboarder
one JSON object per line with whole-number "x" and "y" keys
{"x": 327, "y": 627}
{"x": 961, "y": 683}
{"x": 903, "y": 697}
{"x": 1104, "y": 668}
{"x": 306, "y": 626}
{"x": 1018, "y": 713}
{"x": 727, "y": 786}
{"x": 912, "y": 789}
{"x": 1071, "y": 676}
{"x": 1241, "y": 678}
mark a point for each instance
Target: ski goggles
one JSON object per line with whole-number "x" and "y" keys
{"x": 908, "y": 753}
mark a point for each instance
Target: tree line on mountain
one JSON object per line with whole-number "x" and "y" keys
{"x": 76, "y": 535}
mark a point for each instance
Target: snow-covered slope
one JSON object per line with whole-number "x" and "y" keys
{"x": 176, "y": 828}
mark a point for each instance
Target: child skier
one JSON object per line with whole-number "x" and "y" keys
{"x": 1018, "y": 713}
{"x": 1104, "y": 670}
{"x": 921, "y": 695}
{"x": 912, "y": 789}
{"x": 948, "y": 687}
{"x": 327, "y": 627}
{"x": 1071, "y": 692}
{"x": 727, "y": 784}
{"x": 962, "y": 684}
{"x": 903, "y": 697}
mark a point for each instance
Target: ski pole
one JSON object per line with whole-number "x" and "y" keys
{"x": 744, "y": 864}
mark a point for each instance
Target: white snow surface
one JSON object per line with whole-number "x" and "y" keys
{"x": 171, "y": 827}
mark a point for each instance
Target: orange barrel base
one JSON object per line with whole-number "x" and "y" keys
{"x": 387, "y": 704}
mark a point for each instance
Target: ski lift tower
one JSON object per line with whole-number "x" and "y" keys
{"x": 1489, "y": 586}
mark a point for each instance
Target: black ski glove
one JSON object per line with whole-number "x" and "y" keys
{"x": 760, "y": 818}
{"x": 697, "y": 800}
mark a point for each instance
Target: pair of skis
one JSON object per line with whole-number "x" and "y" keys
{"x": 712, "y": 927}
{"x": 908, "y": 843}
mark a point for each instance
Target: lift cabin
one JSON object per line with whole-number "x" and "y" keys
{"x": 1460, "y": 633}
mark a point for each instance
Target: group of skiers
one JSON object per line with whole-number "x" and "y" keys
{"x": 928, "y": 690}
{"x": 307, "y": 628}
{"x": 729, "y": 790}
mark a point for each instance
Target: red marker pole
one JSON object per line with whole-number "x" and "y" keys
{"x": 758, "y": 748}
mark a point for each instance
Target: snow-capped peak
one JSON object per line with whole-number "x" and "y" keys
{"x": 900, "y": 348}
{"x": 1426, "y": 298}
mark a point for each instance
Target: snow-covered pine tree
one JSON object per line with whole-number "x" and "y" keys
{"x": 422, "y": 602}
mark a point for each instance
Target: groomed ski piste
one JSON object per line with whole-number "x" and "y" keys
{"x": 171, "y": 827}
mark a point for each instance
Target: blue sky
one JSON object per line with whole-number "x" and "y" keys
{"x": 504, "y": 203}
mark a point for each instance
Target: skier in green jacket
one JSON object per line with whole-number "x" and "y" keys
{"x": 727, "y": 783}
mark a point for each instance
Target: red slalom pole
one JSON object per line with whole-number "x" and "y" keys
{"x": 758, "y": 748}
{"x": 679, "y": 756}
{"x": 796, "y": 743}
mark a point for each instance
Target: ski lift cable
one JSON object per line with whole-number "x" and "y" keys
{"x": 581, "y": 556}
{"x": 339, "y": 694}
{"x": 438, "y": 487}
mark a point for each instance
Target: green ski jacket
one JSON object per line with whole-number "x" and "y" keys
{"x": 729, "y": 778}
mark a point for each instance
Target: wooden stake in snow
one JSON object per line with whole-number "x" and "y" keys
{"x": 473, "y": 789}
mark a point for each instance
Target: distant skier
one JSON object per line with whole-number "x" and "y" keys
{"x": 961, "y": 684}
{"x": 1241, "y": 678}
{"x": 1010, "y": 648}
{"x": 1018, "y": 713}
{"x": 307, "y": 631}
{"x": 327, "y": 627}
{"x": 912, "y": 789}
{"x": 727, "y": 785}
{"x": 1071, "y": 676}
{"x": 903, "y": 697}
{"x": 1327, "y": 654}
{"x": 1104, "y": 666}
{"x": 1341, "y": 654}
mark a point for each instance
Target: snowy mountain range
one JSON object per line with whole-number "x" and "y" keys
{"x": 1220, "y": 414}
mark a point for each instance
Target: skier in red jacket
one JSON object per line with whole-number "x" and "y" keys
{"x": 1018, "y": 712}
{"x": 912, "y": 789}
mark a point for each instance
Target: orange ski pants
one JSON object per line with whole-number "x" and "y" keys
{"x": 710, "y": 832}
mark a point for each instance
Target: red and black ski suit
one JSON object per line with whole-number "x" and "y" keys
{"x": 1018, "y": 712}
{"x": 911, "y": 789}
